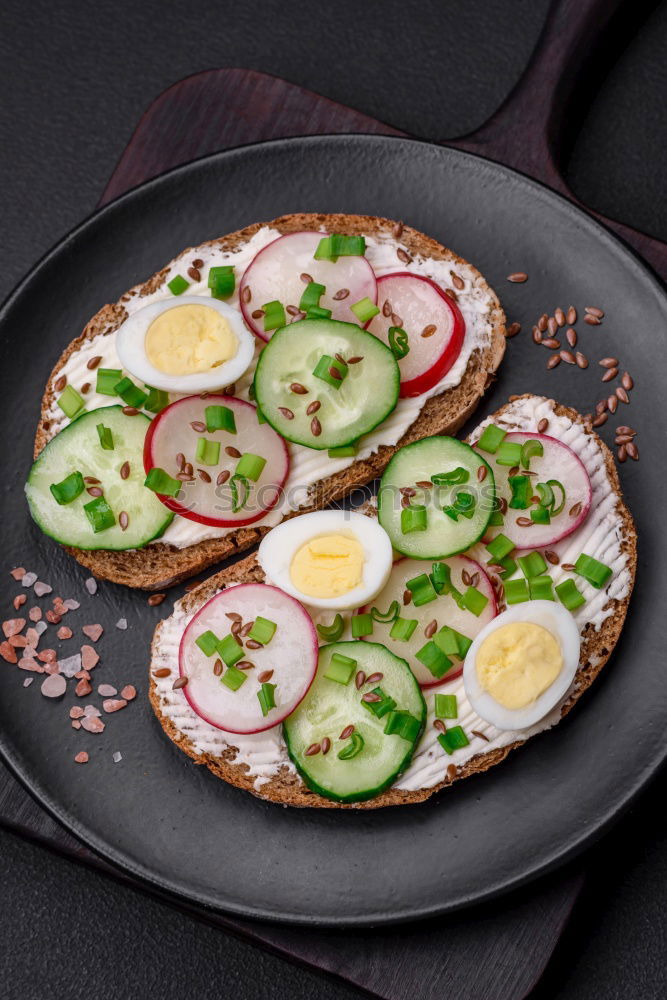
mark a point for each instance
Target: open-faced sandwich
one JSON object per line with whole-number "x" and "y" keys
{"x": 370, "y": 659}
{"x": 264, "y": 373}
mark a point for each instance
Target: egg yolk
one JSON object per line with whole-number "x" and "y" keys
{"x": 517, "y": 662}
{"x": 189, "y": 339}
{"x": 328, "y": 566}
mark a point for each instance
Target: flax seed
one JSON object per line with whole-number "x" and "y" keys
{"x": 591, "y": 320}
{"x": 609, "y": 375}
{"x": 559, "y": 316}
{"x": 622, "y": 394}
{"x": 315, "y": 427}
{"x": 92, "y": 363}
{"x": 298, "y": 389}
{"x": 542, "y": 323}
{"x": 457, "y": 281}
{"x": 571, "y": 336}
{"x": 572, "y": 315}
{"x": 600, "y": 419}
{"x": 517, "y": 277}
{"x": 568, "y": 357}
{"x": 553, "y": 361}
{"x": 429, "y": 330}
{"x": 581, "y": 359}
{"x": 542, "y": 426}
{"x": 627, "y": 381}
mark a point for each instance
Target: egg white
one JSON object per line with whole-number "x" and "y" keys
{"x": 555, "y": 619}
{"x": 131, "y": 336}
{"x": 279, "y": 547}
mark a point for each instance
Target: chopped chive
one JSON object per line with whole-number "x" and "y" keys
{"x": 491, "y": 438}
{"x": 403, "y": 628}
{"x": 178, "y": 285}
{"x": 389, "y": 616}
{"x": 229, "y": 650}
{"x": 100, "y": 514}
{"x": 399, "y": 341}
{"x": 261, "y": 419}
{"x": 340, "y": 668}
{"x": 220, "y": 418}
{"x": 263, "y": 630}
{"x": 107, "y": 380}
{"x": 569, "y": 594}
{"x": 540, "y": 515}
{"x": 533, "y": 564}
{"x": 207, "y": 642}
{"x": 274, "y": 315}
{"x": 516, "y": 591}
{"x": 333, "y": 632}
{"x": 158, "y": 400}
{"x": 474, "y": 600}
{"x": 207, "y": 452}
{"x": 463, "y": 506}
{"x": 323, "y": 370}
{"x": 441, "y": 577}
{"x": 364, "y": 310}
{"x": 509, "y": 453}
{"x": 453, "y": 739}
{"x": 312, "y": 294}
{"x": 162, "y": 483}
{"x": 69, "y": 489}
{"x": 130, "y": 393}
{"x": 318, "y": 312}
{"x": 555, "y": 484}
{"x": 509, "y": 566}
{"x": 404, "y": 725}
{"x": 500, "y": 547}
{"x": 354, "y": 747}
{"x": 233, "y": 678}
{"x": 337, "y": 245}
{"x": 382, "y": 707}
{"x": 451, "y": 642}
{"x": 361, "y": 625}
{"x": 70, "y": 402}
{"x": 267, "y": 697}
{"x": 545, "y": 495}
{"x": 413, "y": 519}
{"x": 240, "y": 489}
{"x": 530, "y": 449}
{"x": 434, "y": 659}
{"x": 344, "y": 450}
{"x": 541, "y": 588}
{"x": 250, "y": 466}
{"x": 105, "y": 435}
{"x": 453, "y": 478}
{"x": 592, "y": 570}
{"x": 446, "y": 706}
{"x": 422, "y": 590}
{"x": 522, "y": 491}
{"x": 496, "y": 520}
{"x": 221, "y": 281}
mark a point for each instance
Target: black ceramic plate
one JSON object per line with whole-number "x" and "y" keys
{"x": 172, "y": 823}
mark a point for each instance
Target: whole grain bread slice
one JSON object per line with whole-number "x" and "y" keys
{"x": 160, "y": 564}
{"x": 287, "y": 787}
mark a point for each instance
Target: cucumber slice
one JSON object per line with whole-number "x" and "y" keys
{"x": 331, "y": 706}
{"x": 349, "y": 407}
{"x": 77, "y": 448}
{"x": 443, "y": 534}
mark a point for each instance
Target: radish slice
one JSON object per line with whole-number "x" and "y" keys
{"x": 444, "y": 610}
{"x": 176, "y": 431}
{"x": 275, "y": 274}
{"x": 291, "y": 655}
{"x": 560, "y": 463}
{"x": 433, "y": 323}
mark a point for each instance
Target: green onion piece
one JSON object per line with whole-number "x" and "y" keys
{"x": 597, "y": 573}
{"x": 534, "y": 564}
{"x": 267, "y": 697}
{"x": 220, "y": 418}
{"x": 434, "y": 659}
{"x": 229, "y": 650}
{"x": 570, "y": 595}
{"x": 157, "y": 401}
{"x": 404, "y": 725}
{"x": 496, "y": 520}
{"x": 522, "y": 491}
{"x": 341, "y": 668}
{"x": 105, "y": 435}
{"x": 382, "y": 707}
{"x": 207, "y": 452}
{"x": 546, "y": 495}
{"x": 491, "y": 439}
{"x": 130, "y": 393}
{"x": 162, "y": 483}
{"x": 261, "y": 419}
{"x": 274, "y": 315}
{"x": 333, "y": 632}
{"x": 221, "y": 281}
{"x": 389, "y": 616}
{"x": 263, "y": 630}
{"x": 312, "y": 294}
{"x": 361, "y": 625}
{"x": 555, "y": 484}
{"x": 509, "y": 566}
{"x": 364, "y": 310}
{"x": 516, "y": 591}
{"x": 446, "y": 706}
{"x": 541, "y": 588}
{"x": 530, "y": 449}
{"x": 413, "y": 519}
{"x": 500, "y": 547}
{"x": 323, "y": 370}
{"x": 441, "y": 578}
{"x": 69, "y": 489}
{"x": 474, "y": 600}
{"x": 451, "y": 512}
{"x": 453, "y": 739}
{"x": 540, "y": 515}
{"x": 354, "y": 747}
{"x": 403, "y": 628}
{"x": 452, "y": 643}
{"x": 509, "y": 453}
{"x": 70, "y": 402}
{"x": 240, "y": 488}
{"x": 107, "y": 380}
{"x": 100, "y": 514}
{"x": 250, "y": 466}
{"x": 344, "y": 451}
{"x": 178, "y": 285}
{"x": 422, "y": 590}
{"x": 337, "y": 245}
{"x": 207, "y": 642}
{"x": 233, "y": 678}
{"x": 453, "y": 478}
{"x": 318, "y": 312}
{"x": 399, "y": 341}
{"x": 464, "y": 504}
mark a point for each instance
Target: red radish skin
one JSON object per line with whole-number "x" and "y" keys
{"x": 296, "y": 647}
{"x": 275, "y": 273}
{"x": 428, "y": 612}
{"x": 419, "y": 303}
{"x": 162, "y": 445}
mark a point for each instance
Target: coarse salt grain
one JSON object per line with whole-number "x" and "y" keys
{"x": 93, "y": 632}
{"x": 70, "y": 665}
{"x": 71, "y": 604}
{"x": 28, "y": 579}
{"x": 106, "y": 690}
{"x": 19, "y": 572}
{"x": 117, "y": 757}
{"x": 40, "y": 627}
{"x": 28, "y": 681}
{"x": 42, "y": 588}
{"x": 121, "y": 624}
{"x": 91, "y": 585}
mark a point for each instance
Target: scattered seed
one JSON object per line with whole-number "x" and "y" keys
{"x": 335, "y": 374}
{"x": 457, "y": 281}
{"x": 429, "y": 330}
{"x": 60, "y": 383}
{"x": 594, "y": 311}
{"x": 233, "y": 616}
{"x": 92, "y": 363}
{"x": 292, "y": 310}
{"x": 482, "y": 736}
{"x": 551, "y": 343}
{"x": 198, "y": 425}
{"x": 451, "y": 771}
{"x": 287, "y": 413}
{"x": 542, "y": 323}
{"x": 180, "y": 682}
{"x": 342, "y": 293}
{"x": 299, "y": 389}
{"x": 346, "y": 733}
{"x": 253, "y": 644}
{"x": 552, "y": 326}
{"x": 397, "y": 231}
{"x": 559, "y": 316}
{"x": 162, "y": 672}
{"x": 624, "y": 429}
{"x": 632, "y": 450}
{"x": 265, "y": 676}
{"x": 156, "y": 599}
{"x": 431, "y": 629}
{"x": 407, "y": 597}
{"x": 94, "y": 491}
{"x": 482, "y": 471}
{"x": 568, "y": 357}
{"x": 571, "y": 315}
{"x": 623, "y": 439}
{"x": 518, "y": 277}
{"x": 306, "y": 278}
{"x": 247, "y": 628}
{"x": 356, "y": 359}
{"x": 465, "y": 576}
{"x": 581, "y": 359}
{"x": 591, "y": 320}
{"x": 524, "y": 522}
{"x": 511, "y": 330}
{"x": 403, "y": 255}
{"x": 315, "y": 427}
{"x": 245, "y": 665}
{"x": 542, "y": 426}
{"x": 313, "y": 750}
{"x": 622, "y": 452}
{"x": 374, "y": 678}
{"x": 223, "y": 477}
{"x": 257, "y": 313}
{"x": 571, "y": 336}
{"x": 551, "y": 557}
{"x": 236, "y": 627}
{"x": 194, "y": 273}
{"x": 608, "y": 363}
{"x": 601, "y": 406}
{"x": 326, "y": 745}
{"x": 575, "y": 509}
{"x": 612, "y": 403}
{"x": 360, "y": 679}
{"x": 622, "y": 394}
{"x": 600, "y": 420}
{"x": 232, "y": 451}
{"x": 627, "y": 381}
{"x": 537, "y": 335}
{"x": 396, "y": 319}
{"x": 371, "y": 697}
{"x": 610, "y": 374}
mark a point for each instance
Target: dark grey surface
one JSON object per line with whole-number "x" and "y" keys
{"x": 73, "y": 81}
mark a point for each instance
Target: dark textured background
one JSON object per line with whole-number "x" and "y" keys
{"x": 74, "y": 78}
